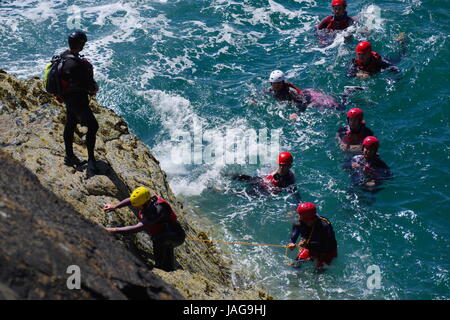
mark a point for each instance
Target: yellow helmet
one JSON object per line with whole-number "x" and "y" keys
{"x": 140, "y": 196}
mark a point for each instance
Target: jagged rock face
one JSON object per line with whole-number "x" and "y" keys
{"x": 31, "y": 127}
{"x": 42, "y": 235}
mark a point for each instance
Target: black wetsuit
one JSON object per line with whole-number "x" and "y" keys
{"x": 171, "y": 235}
{"x": 375, "y": 65}
{"x": 347, "y": 136}
{"x": 334, "y": 23}
{"x": 78, "y": 81}
{"x": 374, "y": 170}
{"x": 290, "y": 93}
{"x": 306, "y": 97}
{"x": 322, "y": 238}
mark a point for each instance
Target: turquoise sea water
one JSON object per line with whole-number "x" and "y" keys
{"x": 173, "y": 66}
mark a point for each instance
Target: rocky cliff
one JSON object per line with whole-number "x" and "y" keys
{"x": 31, "y": 126}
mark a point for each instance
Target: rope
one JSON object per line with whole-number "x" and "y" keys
{"x": 236, "y": 242}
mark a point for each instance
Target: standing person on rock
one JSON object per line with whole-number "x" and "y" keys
{"x": 159, "y": 220}
{"x": 77, "y": 82}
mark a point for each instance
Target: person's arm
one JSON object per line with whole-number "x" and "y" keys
{"x": 127, "y": 230}
{"x": 324, "y": 23}
{"x": 110, "y": 207}
{"x": 389, "y": 66}
{"x": 295, "y": 233}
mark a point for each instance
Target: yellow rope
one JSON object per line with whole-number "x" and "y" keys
{"x": 236, "y": 242}
{"x": 288, "y": 263}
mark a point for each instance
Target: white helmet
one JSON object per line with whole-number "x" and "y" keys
{"x": 276, "y": 76}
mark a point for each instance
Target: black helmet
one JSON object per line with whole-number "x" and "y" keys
{"x": 77, "y": 37}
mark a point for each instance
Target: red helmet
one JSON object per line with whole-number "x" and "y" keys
{"x": 355, "y": 113}
{"x": 371, "y": 142}
{"x": 285, "y": 158}
{"x": 307, "y": 211}
{"x": 363, "y": 47}
{"x": 338, "y": 3}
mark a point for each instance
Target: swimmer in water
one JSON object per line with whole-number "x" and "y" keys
{"x": 352, "y": 135}
{"x": 368, "y": 169}
{"x": 368, "y": 62}
{"x": 328, "y": 27}
{"x": 283, "y": 179}
{"x": 339, "y": 20}
{"x": 286, "y": 91}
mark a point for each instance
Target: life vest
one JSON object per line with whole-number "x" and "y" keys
{"x": 270, "y": 179}
{"x": 373, "y": 66}
{"x": 353, "y": 138}
{"x": 299, "y": 91}
{"x": 282, "y": 182}
{"x": 157, "y": 228}
{"x": 341, "y": 24}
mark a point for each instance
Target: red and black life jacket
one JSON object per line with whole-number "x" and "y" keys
{"x": 353, "y": 138}
{"x": 157, "y": 228}
{"x": 299, "y": 91}
{"x": 270, "y": 179}
{"x": 373, "y": 66}
{"x": 340, "y": 24}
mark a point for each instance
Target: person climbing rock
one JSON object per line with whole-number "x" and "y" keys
{"x": 77, "y": 81}
{"x": 318, "y": 240}
{"x": 159, "y": 220}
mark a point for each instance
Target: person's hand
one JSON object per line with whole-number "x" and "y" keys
{"x": 59, "y": 99}
{"x": 355, "y": 165}
{"x": 293, "y": 117}
{"x": 362, "y": 74}
{"x": 109, "y": 207}
{"x": 110, "y": 229}
{"x": 291, "y": 246}
{"x": 371, "y": 184}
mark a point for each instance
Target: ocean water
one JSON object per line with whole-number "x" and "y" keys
{"x": 197, "y": 70}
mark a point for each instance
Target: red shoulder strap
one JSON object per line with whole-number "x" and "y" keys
{"x": 299, "y": 91}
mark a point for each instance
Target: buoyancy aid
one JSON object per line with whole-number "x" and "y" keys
{"x": 373, "y": 66}
{"x": 154, "y": 229}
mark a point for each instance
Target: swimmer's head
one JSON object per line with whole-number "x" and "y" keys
{"x": 277, "y": 80}
{"x": 363, "y": 51}
{"x": 339, "y": 7}
{"x": 355, "y": 118}
{"x": 307, "y": 212}
{"x": 370, "y": 147}
{"x": 285, "y": 160}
